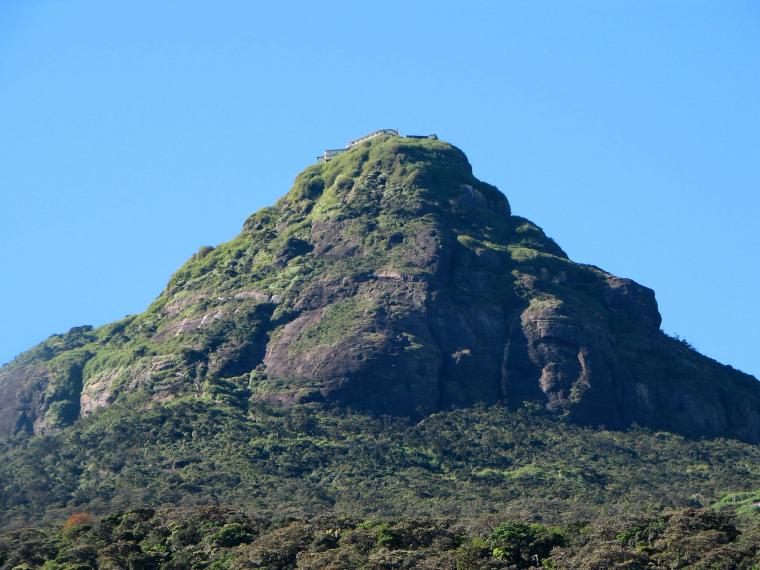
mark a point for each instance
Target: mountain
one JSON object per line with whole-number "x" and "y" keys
{"x": 390, "y": 280}
{"x": 386, "y": 369}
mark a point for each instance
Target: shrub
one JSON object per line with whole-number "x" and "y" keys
{"x": 472, "y": 555}
{"x": 232, "y": 534}
{"x": 387, "y": 537}
{"x": 204, "y": 251}
{"x": 62, "y": 413}
{"x": 524, "y": 544}
{"x": 77, "y": 519}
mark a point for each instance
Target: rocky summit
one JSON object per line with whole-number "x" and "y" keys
{"x": 389, "y": 280}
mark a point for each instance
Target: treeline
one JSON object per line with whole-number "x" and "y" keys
{"x": 217, "y": 538}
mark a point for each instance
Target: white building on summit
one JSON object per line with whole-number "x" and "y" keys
{"x": 372, "y": 135}
{"x": 331, "y": 153}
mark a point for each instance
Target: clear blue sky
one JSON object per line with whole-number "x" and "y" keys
{"x": 131, "y": 133}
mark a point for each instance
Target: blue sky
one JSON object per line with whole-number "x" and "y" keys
{"x": 132, "y": 133}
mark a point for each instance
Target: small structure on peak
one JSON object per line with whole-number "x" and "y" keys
{"x": 331, "y": 153}
{"x": 372, "y": 135}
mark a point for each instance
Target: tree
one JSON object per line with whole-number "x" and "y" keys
{"x": 524, "y": 545}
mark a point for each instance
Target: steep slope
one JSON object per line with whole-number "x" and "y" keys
{"x": 390, "y": 280}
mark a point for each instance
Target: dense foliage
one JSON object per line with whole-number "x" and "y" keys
{"x": 225, "y": 539}
{"x": 476, "y": 462}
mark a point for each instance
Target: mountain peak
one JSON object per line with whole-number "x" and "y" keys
{"x": 390, "y": 279}
{"x": 435, "y": 174}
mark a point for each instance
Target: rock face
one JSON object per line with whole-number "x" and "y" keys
{"x": 391, "y": 280}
